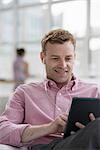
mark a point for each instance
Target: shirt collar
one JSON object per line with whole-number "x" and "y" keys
{"x": 49, "y": 84}
{"x": 72, "y": 85}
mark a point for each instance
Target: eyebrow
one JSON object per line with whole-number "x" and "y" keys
{"x": 54, "y": 55}
{"x": 59, "y": 56}
{"x": 69, "y": 55}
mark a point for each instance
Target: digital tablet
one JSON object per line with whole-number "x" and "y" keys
{"x": 79, "y": 112}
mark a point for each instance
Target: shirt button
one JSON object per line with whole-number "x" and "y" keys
{"x": 51, "y": 83}
{"x": 60, "y": 94}
{"x": 59, "y": 109}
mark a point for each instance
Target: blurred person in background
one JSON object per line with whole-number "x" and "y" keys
{"x": 20, "y": 68}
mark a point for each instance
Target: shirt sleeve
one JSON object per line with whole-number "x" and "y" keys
{"x": 12, "y": 120}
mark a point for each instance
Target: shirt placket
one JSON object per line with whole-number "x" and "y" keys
{"x": 63, "y": 103}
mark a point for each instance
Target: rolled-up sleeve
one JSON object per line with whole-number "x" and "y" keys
{"x": 12, "y": 120}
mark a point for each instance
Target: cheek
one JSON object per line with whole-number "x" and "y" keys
{"x": 51, "y": 64}
{"x": 70, "y": 66}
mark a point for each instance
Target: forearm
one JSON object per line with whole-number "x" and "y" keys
{"x": 34, "y": 132}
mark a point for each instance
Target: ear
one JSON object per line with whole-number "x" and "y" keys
{"x": 42, "y": 56}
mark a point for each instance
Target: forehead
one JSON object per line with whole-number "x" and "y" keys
{"x": 66, "y": 48}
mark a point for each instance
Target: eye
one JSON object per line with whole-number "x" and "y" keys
{"x": 55, "y": 58}
{"x": 69, "y": 59}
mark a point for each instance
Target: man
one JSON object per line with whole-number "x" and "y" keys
{"x": 38, "y": 112}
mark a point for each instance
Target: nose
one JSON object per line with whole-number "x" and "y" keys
{"x": 63, "y": 63}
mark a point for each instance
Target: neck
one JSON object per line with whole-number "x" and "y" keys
{"x": 60, "y": 85}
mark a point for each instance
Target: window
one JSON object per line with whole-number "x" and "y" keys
{"x": 6, "y": 60}
{"x": 31, "y": 1}
{"x": 6, "y": 27}
{"x": 95, "y": 56}
{"x": 94, "y": 42}
{"x": 94, "y": 17}
{"x": 32, "y": 23}
{"x": 70, "y": 15}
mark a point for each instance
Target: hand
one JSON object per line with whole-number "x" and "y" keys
{"x": 79, "y": 125}
{"x": 58, "y": 125}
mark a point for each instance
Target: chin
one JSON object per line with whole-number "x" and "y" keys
{"x": 61, "y": 81}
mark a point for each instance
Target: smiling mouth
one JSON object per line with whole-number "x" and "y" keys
{"x": 61, "y": 71}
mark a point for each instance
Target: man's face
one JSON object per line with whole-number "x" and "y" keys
{"x": 59, "y": 60}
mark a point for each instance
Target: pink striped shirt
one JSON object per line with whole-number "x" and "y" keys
{"x": 39, "y": 103}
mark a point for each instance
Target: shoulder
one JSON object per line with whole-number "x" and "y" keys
{"x": 87, "y": 83}
{"x": 90, "y": 85}
{"x": 30, "y": 87}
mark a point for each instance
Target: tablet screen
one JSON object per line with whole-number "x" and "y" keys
{"x": 79, "y": 112}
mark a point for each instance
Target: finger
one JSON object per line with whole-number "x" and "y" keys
{"x": 64, "y": 117}
{"x": 61, "y": 125}
{"x": 91, "y": 116}
{"x": 65, "y": 114}
{"x": 79, "y": 125}
{"x": 62, "y": 122}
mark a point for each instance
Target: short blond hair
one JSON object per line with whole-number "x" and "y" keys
{"x": 57, "y": 36}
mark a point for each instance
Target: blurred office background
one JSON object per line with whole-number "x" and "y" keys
{"x": 24, "y": 22}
